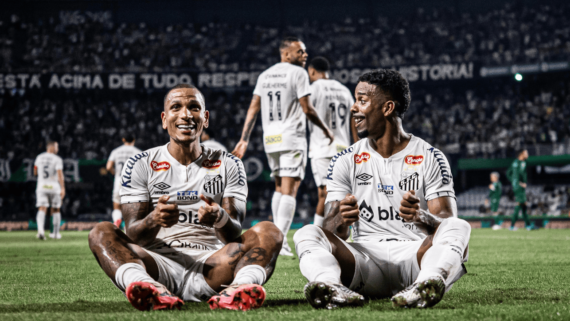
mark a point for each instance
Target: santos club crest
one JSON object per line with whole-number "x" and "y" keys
{"x": 214, "y": 184}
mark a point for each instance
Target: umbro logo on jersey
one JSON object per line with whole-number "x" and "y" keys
{"x": 411, "y": 182}
{"x": 187, "y": 196}
{"x": 214, "y": 186}
{"x": 161, "y": 186}
{"x": 361, "y": 158}
{"x": 364, "y": 177}
{"x": 211, "y": 164}
{"x": 159, "y": 166}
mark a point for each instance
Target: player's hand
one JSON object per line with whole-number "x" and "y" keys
{"x": 164, "y": 214}
{"x": 523, "y": 185}
{"x": 410, "y": 207}
{"x": 240, "y": 149}
{"x": 328, "y": 133}
{"x": 349, "y": 210}
{"x": 208, "y": 214}
{"x": 62, "y": 193}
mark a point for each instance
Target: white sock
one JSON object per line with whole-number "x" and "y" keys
{"x": 41, "y": 220}
{"x": 117, "y": 215}
{"x": 445, "y": 256}
{"x": 318, "y": 221}
{"x": 132, "y": 272}
{"x": 315, "y": 255}
{"x": 250, "y": 274}
{"x": 275, "y": 205}
{"x": 286, "y": 212}
{"x": 56, "y": 220}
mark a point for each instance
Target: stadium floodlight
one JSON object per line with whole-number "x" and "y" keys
{"x": 518, "y": 77}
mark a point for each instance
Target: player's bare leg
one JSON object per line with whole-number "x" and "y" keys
{"x": 245, "y": 265}
{"x": 117, "y": 215}
{"x": 131, "y": 268}
{"x": 287, "y": 187}
{"x": 320, "y": 211}
{"x": 329, "y": 267}
{"x": 56, "y": 222}
{"x": 40, "y": 220}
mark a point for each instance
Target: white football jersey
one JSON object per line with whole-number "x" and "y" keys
{"x": 282, "y": 116}
{"x": 214, "y": 144}
{"x": 120, "y": 155}
{"x": 47, "y": 165}
{"x": 154, "y": 173}
{"x": 332, "y": 100}
{"x": 379, "y": 184}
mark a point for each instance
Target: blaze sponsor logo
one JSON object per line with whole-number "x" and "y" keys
{"x": 187, "y": 196}
{"x": 159, "y": 166}
{"x": 386, "y": 189}
{"x": 414, "y": 159}
{"x": 361, "y": 158}
{"x": 275, "y": 139}
{"x": 211, "y": 163}
{"x": 367, "y": 213}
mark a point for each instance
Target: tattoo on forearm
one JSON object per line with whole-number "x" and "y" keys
{"x": 248, "y": 128}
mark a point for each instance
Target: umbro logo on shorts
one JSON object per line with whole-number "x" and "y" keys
{"x": 214, "y": 186}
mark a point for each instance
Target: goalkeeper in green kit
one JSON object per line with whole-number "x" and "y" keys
{"x": 517, "y": 175}
{"x": 495, "y": 192}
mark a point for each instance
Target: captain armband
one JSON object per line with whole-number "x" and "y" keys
{"x": 224, "y": 217}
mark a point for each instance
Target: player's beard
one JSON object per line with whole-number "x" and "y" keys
{"x": 362, "y": 134}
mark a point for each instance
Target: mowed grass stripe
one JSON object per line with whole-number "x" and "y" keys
{"x": 512, "y": 276}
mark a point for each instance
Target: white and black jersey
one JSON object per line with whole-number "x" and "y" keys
{"x": 120, "y": 155}
{"x": 47, "y": 165}
{"x": 332, "y": 101}
{"x": 153, "y": 173}
{"x": 379, "y": 184}
{"x": 282, "y": 117}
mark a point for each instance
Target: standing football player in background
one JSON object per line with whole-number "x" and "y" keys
{"x": 495, "y": 192}
{"x": 207, "y": 140}
{"x": 282, "y": 93}
{"x": 50, "y": 189}
{"x": 332, "y": 100}
{"x": 117, "y": 160}
{"x": 517, "y": 176}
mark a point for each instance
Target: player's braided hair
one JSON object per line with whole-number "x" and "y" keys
{"x": 320, "y": 64}
{"x": 393, "y": 85}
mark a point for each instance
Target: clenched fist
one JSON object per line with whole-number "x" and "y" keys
{"x": 349, "y": 210}
{"x": 164, "y": 214}
{"x": 209, "y": 214}
{"x": 410, "y": 207}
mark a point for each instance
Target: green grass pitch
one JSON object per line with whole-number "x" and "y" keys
{"x": 512, "y": 276}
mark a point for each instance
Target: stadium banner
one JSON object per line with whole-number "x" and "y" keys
{"x": 18, "y": 83}
{"x": 524, "y": 69}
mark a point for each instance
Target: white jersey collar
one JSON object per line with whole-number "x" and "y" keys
{"x": 409, "y": 148}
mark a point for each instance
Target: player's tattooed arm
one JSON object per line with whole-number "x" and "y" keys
{"x": 142, "y": 223}
{"x": 340, "y": 215}
{"x": 250, "y": 119}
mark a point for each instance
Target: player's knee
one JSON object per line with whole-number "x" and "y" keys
{"x": 454, "y": 229}
{"x": 307, "y": 232}
{"x": 99, "y": 232}
{"x": 270, "y": 229}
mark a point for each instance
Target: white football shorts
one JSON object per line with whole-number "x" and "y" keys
{"x": 182, "y": 272}
{"x": 44, "y": 199}
{"x": 319, "y": 167}
{"x": 117, "y": 191}
{"x": 290, "y": 163}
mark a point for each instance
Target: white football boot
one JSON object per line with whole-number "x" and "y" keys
{"x": 322, "y": 295}
{"x": 286, "y": 249}
{"x": 423, "y": 294}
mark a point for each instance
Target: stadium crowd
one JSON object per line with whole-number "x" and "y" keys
{"x": 513, "y": 34}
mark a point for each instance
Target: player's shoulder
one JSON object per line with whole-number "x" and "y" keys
{"x": 144, "y": 158}
{"x": 346, "y": 156}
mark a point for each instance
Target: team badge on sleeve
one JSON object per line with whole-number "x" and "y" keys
{"x": 411, "y": 182}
